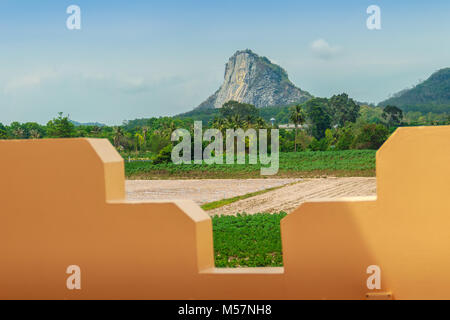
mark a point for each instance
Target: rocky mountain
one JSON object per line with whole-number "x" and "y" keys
{"x": 432, "y": 95}
{"x": 253, "y": 79}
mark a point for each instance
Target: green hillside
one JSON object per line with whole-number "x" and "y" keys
{"x": 432, "y": 95}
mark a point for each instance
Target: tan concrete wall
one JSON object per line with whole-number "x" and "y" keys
{"x": 62, "y": 203}
{"x": 405, "y": 230}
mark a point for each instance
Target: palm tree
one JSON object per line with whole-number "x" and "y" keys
{"x": 145, "y": 131}
{"x": 139, "y": 141}
{"x": 168, "y": 128}
{"x": 217, "y": 123}
{"x": 248, "y": 122}
{"x": 235, "y": 121}
{"x": 34, "y": 134}
{"x": 172, "y": 128}
{"x": 260, "y": 123}
{"x": 220, "y": 124}
{"x": 118, "y": 134}
{"x": 298, "y": 118}
{"x": 18, "y": 133}
{"x": 96, "y": 130}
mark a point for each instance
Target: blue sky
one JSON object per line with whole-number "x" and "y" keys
{"x": 135, "y": 59}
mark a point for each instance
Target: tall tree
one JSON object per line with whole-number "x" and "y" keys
{"x": 343, "y": 109}
{"x": 319, "y": 119}
{"x": 118, "y": 134}
{"x": 244, "y": 110}
{"x": 61, "y": 127}
{"x": 139, "y": 141}
{"x": 393, "y": 116}
{"x": 34, "y": 130}
{"x": 3, "y": 133}
{"x": 298, "y": 118}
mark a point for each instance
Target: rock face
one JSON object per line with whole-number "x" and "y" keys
{"x": 252, "y": 79}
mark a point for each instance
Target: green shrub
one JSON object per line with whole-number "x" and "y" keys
{"x": 345, "y": 139}
{"x": 164, "y": 156}
{"x": 319, "y": 145}
{"x": 371, "y": 136}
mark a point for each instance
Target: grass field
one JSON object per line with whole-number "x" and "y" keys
{"x": 299, "y": 164}
{"x": 248, "y": 240}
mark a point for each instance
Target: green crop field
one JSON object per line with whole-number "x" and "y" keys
{"x": 248, "y": 240}
{"x": 292, "y": 164}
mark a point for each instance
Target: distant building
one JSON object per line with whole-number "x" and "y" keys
{"x": 292, "y": 126}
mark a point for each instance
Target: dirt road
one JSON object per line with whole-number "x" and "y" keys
{"x": 284, "y": 199}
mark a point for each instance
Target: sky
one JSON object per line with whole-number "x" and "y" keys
{"x": 139, "y": 59}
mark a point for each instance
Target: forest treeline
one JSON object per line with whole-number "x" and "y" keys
{"x": 320, "y": 124}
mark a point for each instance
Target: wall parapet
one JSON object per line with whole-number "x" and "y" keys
{"x": 63, "y": 203}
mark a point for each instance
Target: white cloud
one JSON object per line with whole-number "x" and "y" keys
{"x": 24, "y": 82}
{"x": 324, "y": 50}
{"x": 122, "y": 83}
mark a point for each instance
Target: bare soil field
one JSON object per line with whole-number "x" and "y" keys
{"x": 201, "y": 191}
{"x": 290, "y": 197}
{"x": 287, "y": 198}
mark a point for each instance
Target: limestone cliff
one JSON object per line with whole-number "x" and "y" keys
{"x": 252, "y": 79}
